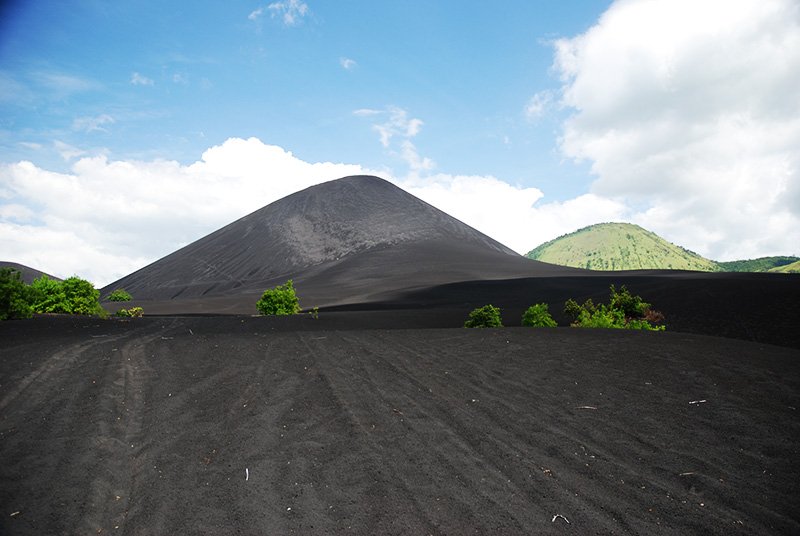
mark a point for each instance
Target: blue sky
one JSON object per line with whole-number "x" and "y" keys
{"x": 551, "y": 115}
{"x": 172, "y": 81}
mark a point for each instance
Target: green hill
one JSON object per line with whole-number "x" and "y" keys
{"x": 619, "y": 246}
{"x": 625, "y": 246}
{"x": 763, "y": 264}
{"x": 791, "y": 268}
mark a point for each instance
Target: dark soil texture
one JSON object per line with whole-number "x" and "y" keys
{"x": 240, "y": 425}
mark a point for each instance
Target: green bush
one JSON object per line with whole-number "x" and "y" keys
{"x": 72, "y": 296}
{"x": 624, "y": 311}
{"x": 47, "y": 296}
{"x": 538, "y": 316}
{"x": 119, "y": 294}
{"x": 133, "y": 312}
{"x": 630, "y": 305}
{"x": 13, "y": 295}
{"x": 601, "y": 317}
{"x": 281, "y": 300}
{"x": 487, "y": 316}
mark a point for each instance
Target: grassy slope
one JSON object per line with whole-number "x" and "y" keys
{"x": 619, "y": 246}
{"x": 763, "y": 264}
{"x": 792, "y": 268}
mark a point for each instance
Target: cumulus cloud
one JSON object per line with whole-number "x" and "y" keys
{"x": 141, "y": 80}
{"x": 688, "y": 110}
{"x": 516, "y": 216}
{"x": 127, "y": 214}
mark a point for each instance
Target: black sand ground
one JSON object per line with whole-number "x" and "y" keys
{"x": 238, "y": 425}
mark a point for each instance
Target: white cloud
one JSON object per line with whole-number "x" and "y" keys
{"x": 92, "y": 124}
{"x": 67, "y": 151}
{"x": 366, "y": 112}
{"x": 290, "y": 11}
{"x": 64, "y": 84}
{"x": 397, "y": 124}
{"x": 125, "y": 214}
{"x": 538, "y": 104}
{"x": 513, "y": 215}
{"x": 690, "y": 110}
{"x": 141, "y": 80}
{"x": 256, "y": 13}
{"x": 348, "y": 64}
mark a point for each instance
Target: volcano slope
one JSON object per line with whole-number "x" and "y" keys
{"x": 239, "y": 425}
{"x": 352, "y": 240}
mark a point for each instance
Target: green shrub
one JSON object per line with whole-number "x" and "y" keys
{"x": 572, "y": 310}
{"x": 72, "y": 296}
{"x": 487, "y": 316}
{"x": 47, "y": 296}
{"x": 624, "y": 311}
{"x": 631, "y": 306}
{"x": 13, "y": 295}
{"x": 600, "y": 317}
{"x": 119, "y": 294}
{"x": 538, "y": 316}
{"x": 82, "y": 297}
{"x": 281, "y": 300}
{"x": 133, "y": 312}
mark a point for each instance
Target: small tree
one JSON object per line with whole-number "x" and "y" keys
{"x": 487, "y": 316}
{"x": 119, "y": 294}
{"x": 538, "y": 316}
{"x": 280, "y": 300}
{"x": 13, "y": 295}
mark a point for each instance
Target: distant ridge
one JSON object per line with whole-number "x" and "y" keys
{"x": 343, "y": 240}
{"x": 28, "y": 273}
{"x": 619, "y": 246}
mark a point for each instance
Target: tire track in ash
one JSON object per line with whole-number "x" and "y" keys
{"x": 48, "y": 417}
{"x": 118, "y": 440}
{"x": 420, "y": 438}
{"x": 219, "y": 414}
{"x": 447, "y": 433}
{"x": 373, "y": 501}
{"x": 610, "y": 463}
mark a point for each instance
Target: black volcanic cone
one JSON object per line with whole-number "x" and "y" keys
{"x": 27, "y": 273}
{"x": 341, "y": 241}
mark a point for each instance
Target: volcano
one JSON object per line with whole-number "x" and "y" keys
{"x": 350, "y": 240}
{"x": 362, "y": 244}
